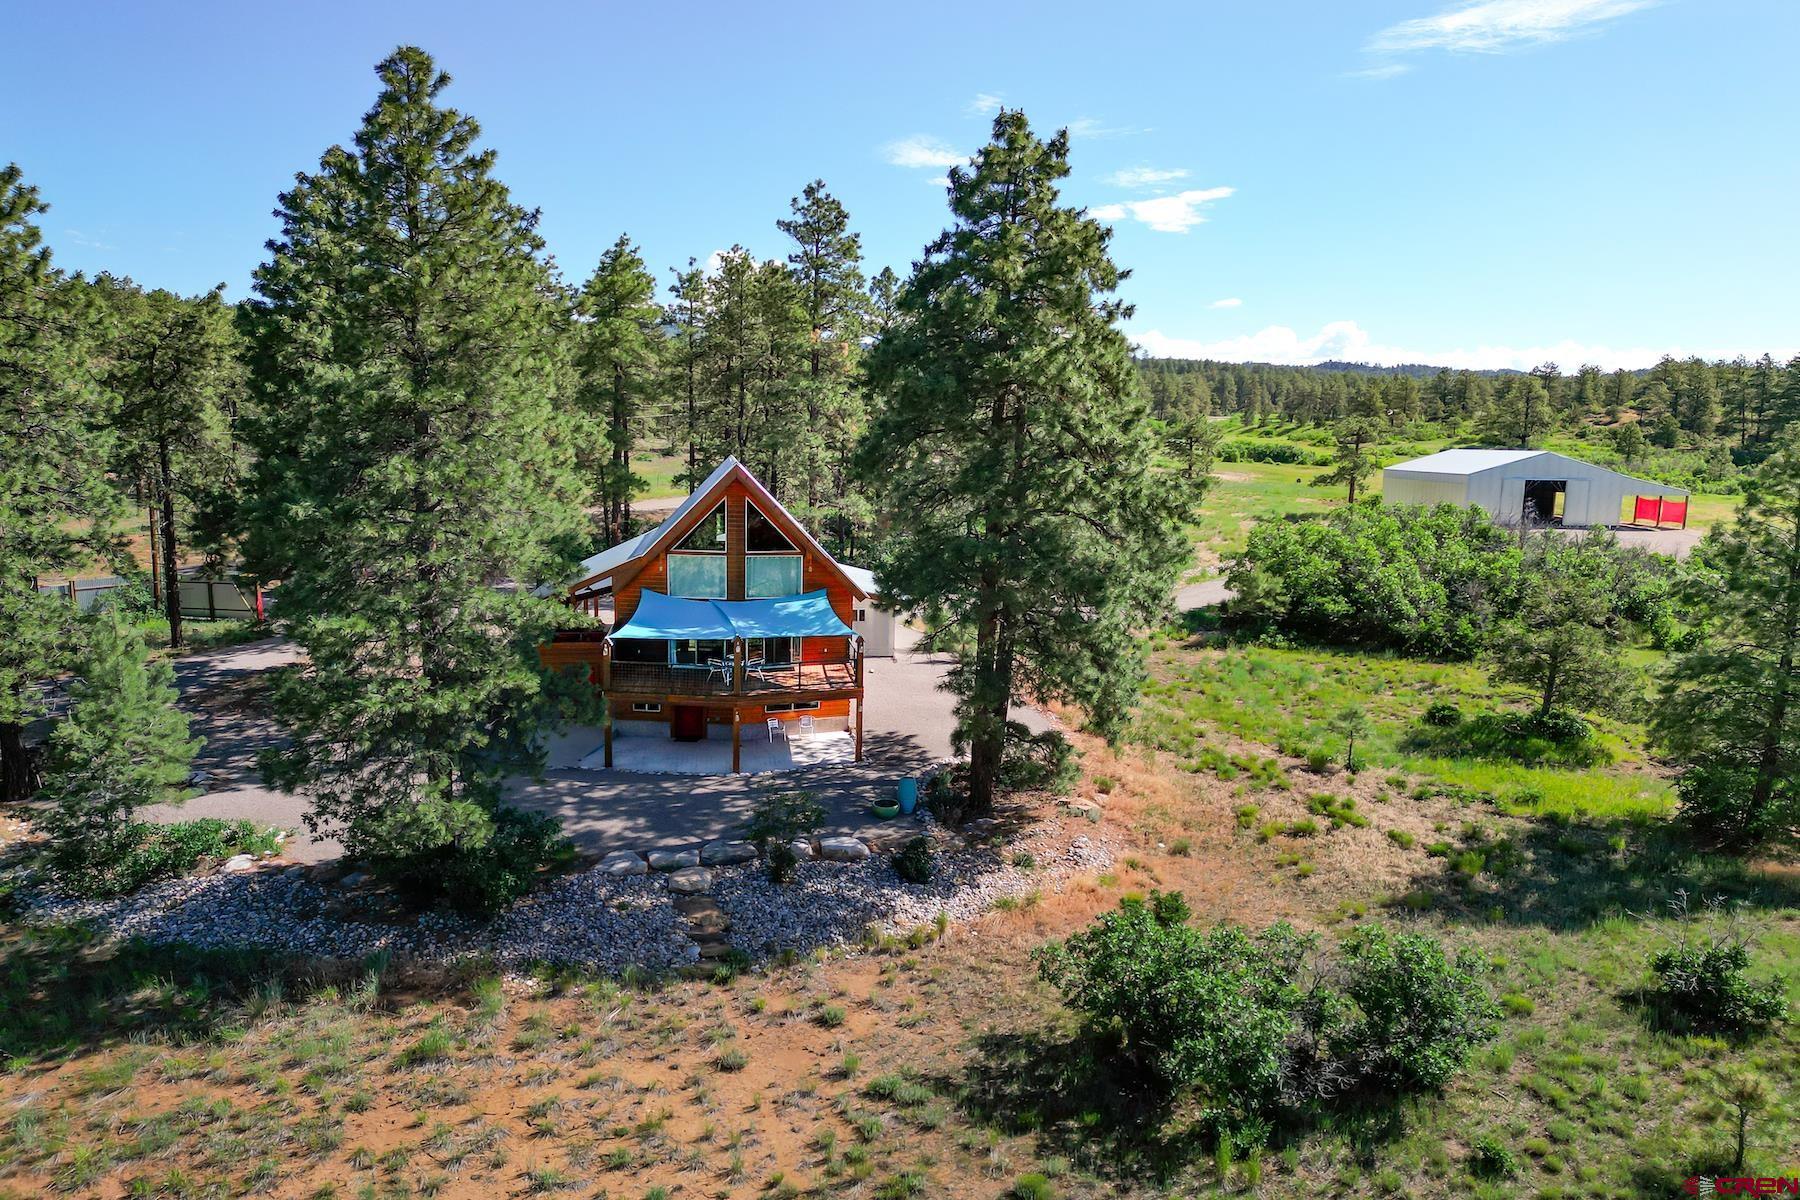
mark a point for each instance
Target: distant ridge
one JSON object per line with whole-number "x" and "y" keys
{"x": 1416, "y": 370}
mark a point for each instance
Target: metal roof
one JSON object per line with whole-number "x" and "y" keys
{"x": 1465, "y": 462}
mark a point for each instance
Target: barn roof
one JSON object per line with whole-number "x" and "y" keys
{"x": 1465, "y": 462}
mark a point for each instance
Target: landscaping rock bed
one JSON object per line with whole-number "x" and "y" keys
{"x": 599, "y": 919}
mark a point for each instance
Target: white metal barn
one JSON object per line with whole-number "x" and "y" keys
{"x": 1513, "y": 485}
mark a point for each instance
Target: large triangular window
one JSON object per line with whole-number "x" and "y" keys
{"x": 708, "y": 537}
{"x": 761, "y": 535}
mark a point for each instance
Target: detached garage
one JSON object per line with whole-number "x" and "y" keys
{"x": 1536, "y": 485}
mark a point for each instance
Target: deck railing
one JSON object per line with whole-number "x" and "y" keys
{"x": 660, "y": 679}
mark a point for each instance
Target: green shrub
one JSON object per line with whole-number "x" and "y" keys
{"x": 483, "y": 879}
{"x": 1221, "y": 1011}
{"x": 1443, "y": 715}
{"x": 143, "y": 853}
{"x": 913, "y": 862}
{"x": 1265, "y": 451}
{"x": 1425, "y": 580}
{"x": 1210, "y": 1009}
{"x": 1703, "y": 987}
{"x": 1037, "y": 762}
{"x": 1490, "y": 1158}
{"x": 783, "y": 817}
{"x": 1032, "y": 1186}
{"x": 1418, "y": 1012}
{"x": 781, "y": 862}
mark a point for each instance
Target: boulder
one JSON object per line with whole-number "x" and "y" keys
{"x": 688, "y": 880}
{"x": 802, "y": 848}
{"x": 356, "y": 879}
{"x": 238, "y": 863}
{"x": 715, "y": 854}
{"x": 842, "y": 849}
{"x": 670, "y": 860}
{"x": 624, "y": 862}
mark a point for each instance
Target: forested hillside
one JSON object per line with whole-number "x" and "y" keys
{"x": 1686, "y": 421}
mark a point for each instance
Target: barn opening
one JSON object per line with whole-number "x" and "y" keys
{"x": 1544, "y": 500}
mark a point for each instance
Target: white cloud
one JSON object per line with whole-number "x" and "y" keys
{"x": 923, "y": 150}
{"x": 985, "y": 104}
{"x": 1496, "y": 26}
{"x": 1383, "y": 71}
{"x": 1093, "y": 127}
{"x": 1227, "y": 302}
{"x": 1137, "y": 177}
{"x": 1346, "y": 341}
{"x": 1165, "y": 214}
{"x": 942, "y": 181}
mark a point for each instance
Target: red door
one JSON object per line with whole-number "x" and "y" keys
{"x": 689, "y": 723}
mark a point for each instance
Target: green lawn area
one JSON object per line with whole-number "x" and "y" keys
{"x": 658, "y": 471}
{"x": 1284, "y": 699}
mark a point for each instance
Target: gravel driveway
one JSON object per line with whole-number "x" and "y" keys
{"x": 907, "y": 727}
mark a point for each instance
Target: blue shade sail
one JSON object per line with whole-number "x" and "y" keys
{"x": 674, "y": 618}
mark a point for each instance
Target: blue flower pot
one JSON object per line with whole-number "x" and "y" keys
{"x": 909, "y": 795}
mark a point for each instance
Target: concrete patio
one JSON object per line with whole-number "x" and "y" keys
{"x": 761, "y": 752}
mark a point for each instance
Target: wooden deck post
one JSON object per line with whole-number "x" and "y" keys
{"x": 738, "y": 648}
{"x": 606, "y": 723}
{"x": 737, "y": 730}
{"x": 859, "y": 707}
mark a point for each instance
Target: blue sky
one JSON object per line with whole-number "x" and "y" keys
{"x": 1486, "y": 184}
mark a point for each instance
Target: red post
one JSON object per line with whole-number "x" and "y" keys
{"x": 259, "y": 603}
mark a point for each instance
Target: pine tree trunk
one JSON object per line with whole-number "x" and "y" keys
{"x": 16, "y": 781}
{"x": 170, "y": 580}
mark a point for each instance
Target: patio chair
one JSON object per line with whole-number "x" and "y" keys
{"x": 754, "y": 666}
{"x": 718, "y": 666}
{"x": 806, "y": 728}
{"x": 775, "y": 727}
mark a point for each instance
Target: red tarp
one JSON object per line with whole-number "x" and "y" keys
{"x": 1654, "y": 510}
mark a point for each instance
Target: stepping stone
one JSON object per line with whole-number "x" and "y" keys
{"x": 713, "y": 948}
{"x": 688, "y": 880}
{"x": 842, "y": 849}
{"x": 702, "y": 915}
{"x": 715, "y": 854}
{"x": 670, "y": 860}
{"x": 624, "y": 862}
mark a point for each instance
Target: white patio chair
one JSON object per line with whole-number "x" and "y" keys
{"x": 717, "y": 666}
{"x": 806, "y": 728}
{"x": 775, "y": 728}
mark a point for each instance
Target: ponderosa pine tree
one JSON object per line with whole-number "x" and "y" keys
{"x": 1731, "y": 708}
{"x": 57, "y": 506}
{"x": 176, "y": 367}
{"x": 1562, "y": 641}
{"x": 1015, "y": 440}
{"x": 827, "y": 267}
{"x": 1518, "y": 414}
{"x": 1354, "y": 461}
{"x": 123, "y": 746}
{"x": 412, "y": 459}
{"x": 619, "y": 348}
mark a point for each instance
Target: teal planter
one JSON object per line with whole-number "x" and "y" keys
{"x": 909, "y": 795}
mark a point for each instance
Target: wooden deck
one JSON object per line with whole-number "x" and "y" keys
{"x": 772, "y": 684}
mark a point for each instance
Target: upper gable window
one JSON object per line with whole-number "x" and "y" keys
{"x": 708, "y": 537}
{"x": 760, "y": 534}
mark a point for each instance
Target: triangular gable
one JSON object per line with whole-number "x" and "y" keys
{"x": 700, "y": 504}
